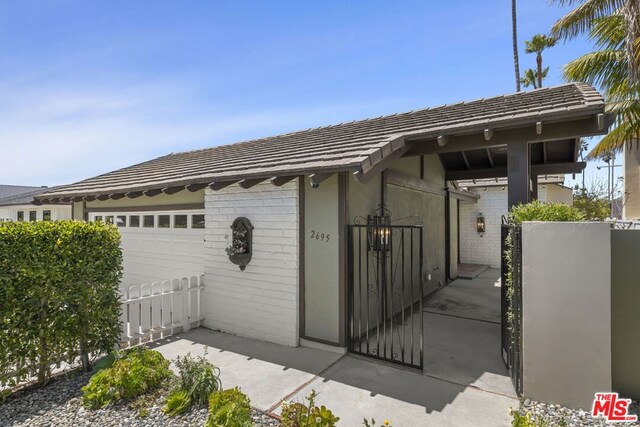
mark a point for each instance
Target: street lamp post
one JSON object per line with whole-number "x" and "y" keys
{"x": 611, "y": 165}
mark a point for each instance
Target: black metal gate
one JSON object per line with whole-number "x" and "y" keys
{"x": 511, "y": 298}
{"x": 385, "y": 292}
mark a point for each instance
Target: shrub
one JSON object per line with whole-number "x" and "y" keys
{"x": 229, "y": 408}
{"x": 538, "y": 211}
{"x": 298, "y": 414}
{"x": 137, "y": 372}
{"x": 59, "y": 284}
{"x": 198, "y": 379}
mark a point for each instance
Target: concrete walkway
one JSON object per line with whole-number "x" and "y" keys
{"x": 464, "y": 382}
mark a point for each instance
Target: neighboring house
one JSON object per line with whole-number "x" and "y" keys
{"x": 309, "y": 196}
{"x": 484, "y": 247}
{"x": 16, "y": 205}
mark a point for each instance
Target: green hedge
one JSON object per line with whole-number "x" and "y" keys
{"x": 59, "y": 295}
{"x": 539, "y": 211}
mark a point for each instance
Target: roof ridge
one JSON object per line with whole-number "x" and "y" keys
{"x": 382, "y": 117}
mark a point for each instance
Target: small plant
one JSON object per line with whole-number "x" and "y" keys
{"x": 198, "y": 379}
{"x": 300, "y": 415}
{"x": 372, "y": 423}
{"x": 526, "y": 420}
{"x": 178, "y": 402}
{"x": 538, "y": 211}
{"x": 135, "y": 373}
{"x": 229, "y": 408}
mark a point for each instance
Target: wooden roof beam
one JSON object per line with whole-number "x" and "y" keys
{"x": 466, "y": 160}
{"x": 279, "y": 181}
{"x": 250, "y": 182}
{"x": 586, "y": 126}
{"x": 488, "y": 134}
{"x": 490, "y": 157}
{"x": 219, "y": 185}
{"x": 152, "y": 192}
{"x": 317, "y": 178}
{"x": 196, "y": 187}
{"x": 500, "y": 172}
{"x": 172, "y": 190}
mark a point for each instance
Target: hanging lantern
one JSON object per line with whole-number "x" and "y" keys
{"x": 480, "y": 224}
{"x": 379, "y": 236}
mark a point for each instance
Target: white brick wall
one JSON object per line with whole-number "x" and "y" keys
{"x": 262, "y": 301}
{"x": 493, "y": 204}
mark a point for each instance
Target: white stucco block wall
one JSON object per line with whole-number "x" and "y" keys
{"x": 566, "y": 308}
{"x": 262, "y": 301}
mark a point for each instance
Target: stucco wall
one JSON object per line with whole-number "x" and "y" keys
{"x": 566, "y": 312}
{"x": 321, "y": 251}
{"x": 181, "y": 197}
{"x": 631, "y": 208}
{"x": 558, "y": 194}
{"x": 262, "y": 301}
{"x": 625, "y": 320}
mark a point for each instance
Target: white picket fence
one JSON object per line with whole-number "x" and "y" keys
{"x": 156, "y": 310}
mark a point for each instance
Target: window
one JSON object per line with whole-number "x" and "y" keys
{"x": 121, "y": 221}
{"x": 148, "y": 221}
{"x": 197, "y": 221}
{"x": 108, "y": 219}
{"x": 164, "y": 221}
{"x": 98, "y": 218}
{"x": 46, "y": 215}
{"x": 20, "y": 215}
{"x": 179, "y": 221}
{"x": 33, "y": 215}
{"x": 134, "y": 221}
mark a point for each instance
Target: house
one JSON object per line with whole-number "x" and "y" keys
{"x": 15, "y": 205}
{"x": 480, "y": 244}
{"x": 323, "y": 235}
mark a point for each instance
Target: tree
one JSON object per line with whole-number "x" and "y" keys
{"x": 537, "y": 45}
{"x": 530, "y": 77}
{"x": 614, "y": 66}
{"x": 514, "y": 37}
{"x": 593, "y": 206}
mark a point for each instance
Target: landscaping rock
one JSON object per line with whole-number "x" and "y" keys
{"x": 556, "y": 415}
{"x": 60, "y": 404}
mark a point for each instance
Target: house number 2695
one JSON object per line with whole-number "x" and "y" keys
{"x": 320, "y": 236}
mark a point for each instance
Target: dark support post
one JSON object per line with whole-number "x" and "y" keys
{"x": 534, "y": 187}
{"x": 518, "y": 173}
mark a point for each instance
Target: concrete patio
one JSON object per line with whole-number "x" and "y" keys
{"x": 464, "y": 382}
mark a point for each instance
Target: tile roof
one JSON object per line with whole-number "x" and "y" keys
{"x": 342, "y": 147}
{"x": 18, "y": 194}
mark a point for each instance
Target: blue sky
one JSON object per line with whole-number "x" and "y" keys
{"x": 87, "y": 87}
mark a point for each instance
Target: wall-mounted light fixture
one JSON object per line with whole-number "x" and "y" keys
{"x": 480, "y": 224}
{"x": 379, "y": 236}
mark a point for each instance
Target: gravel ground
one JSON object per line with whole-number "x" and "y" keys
{"x": 60, "y": 404}
{"x": 555, "y": 415}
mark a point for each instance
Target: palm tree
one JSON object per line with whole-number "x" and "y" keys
{"x": 536, "y": 45}
{"x": 614, "y": 26}
{"x": 531, "y": 77}
{"x": 514, "y": 36}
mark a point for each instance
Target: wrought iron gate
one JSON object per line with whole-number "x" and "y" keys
{"x": 511, "y": 297}
{"x": 385, "y": 292}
